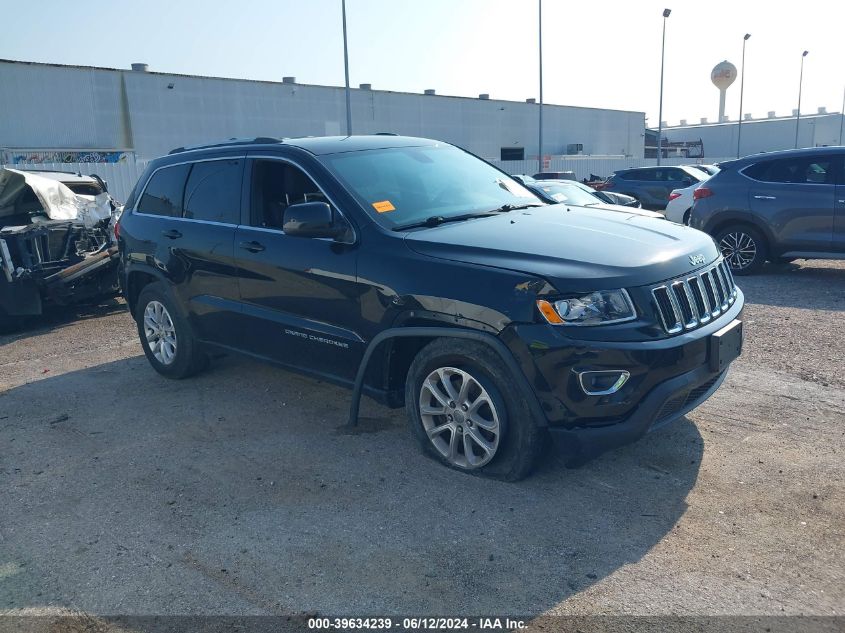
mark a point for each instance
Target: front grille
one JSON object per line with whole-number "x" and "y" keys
{"x": 689, "y": 302}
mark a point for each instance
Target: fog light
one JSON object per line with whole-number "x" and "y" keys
{"x": 602, "y": 383}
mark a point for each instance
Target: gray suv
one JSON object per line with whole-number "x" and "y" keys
{"x": 777, "y": 206}
{"x": 652, "y": 185}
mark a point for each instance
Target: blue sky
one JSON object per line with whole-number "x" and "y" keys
{"x": 596, "y": 53}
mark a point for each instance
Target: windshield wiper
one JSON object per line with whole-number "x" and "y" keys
{"x": 437, "y": 220}
{"x": 516, "y": 207}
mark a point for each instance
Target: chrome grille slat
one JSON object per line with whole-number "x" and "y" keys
{"x": 723, "y": 291}
{"x": 710, "y": 291}
{"x": 669, "y": 315}
{"x": 701, "y": 304}
{"x": 687, "y": 303}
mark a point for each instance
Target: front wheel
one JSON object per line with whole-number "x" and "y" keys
{"x": 743, "y": 247}
{"x": 466, "y": 412}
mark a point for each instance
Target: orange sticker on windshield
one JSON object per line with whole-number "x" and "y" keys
{"x": 384, "y": 206}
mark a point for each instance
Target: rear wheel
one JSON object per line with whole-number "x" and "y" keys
{"x": 166, "y": 335}
{"x": 466, "y": 412}
{"x": 743, "y": 247}
{"x": 687, "y": 217}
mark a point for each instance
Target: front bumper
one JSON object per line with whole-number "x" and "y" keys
{"x": 669, "y": 401}
{"x": 669, "y": 376}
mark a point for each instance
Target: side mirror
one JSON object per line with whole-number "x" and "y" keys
{"x": 312, "y": 219}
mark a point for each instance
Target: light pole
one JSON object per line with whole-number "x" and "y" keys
{"x": 540, "y": 39}
{"x": 741, "y": 91}
{"x": 666, "y": 13}
{"x": 346, "y": 70}
{"x": 800, "y": 85}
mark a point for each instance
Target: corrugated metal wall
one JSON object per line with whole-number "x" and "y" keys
{"x": 48, "y": 106}
{"x": 761, "y": 135}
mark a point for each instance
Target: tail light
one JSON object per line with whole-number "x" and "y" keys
{"x": 702, "y": 192}
{"x": 674, "y": 195}
{"x": 117, "y": 230}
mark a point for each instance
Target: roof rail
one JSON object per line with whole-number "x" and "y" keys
{"x": 261, "y": 140}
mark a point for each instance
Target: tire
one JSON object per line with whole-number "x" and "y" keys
{"x": 166, "y": 336}
{"x": 687, "y": 217}
{"x": 512, "y": 438}
{"x": 744, "y": 248}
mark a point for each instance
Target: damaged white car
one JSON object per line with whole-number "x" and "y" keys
{"x": 56, "y": 241}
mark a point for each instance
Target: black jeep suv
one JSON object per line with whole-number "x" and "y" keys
{"x": 424, "y": 276}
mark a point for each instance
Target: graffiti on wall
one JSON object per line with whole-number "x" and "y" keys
{"x": 59, "y": 156}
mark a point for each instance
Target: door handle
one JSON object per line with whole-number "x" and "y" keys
{"x": 842, "y": 202}
{"x": 765, "y": 197}
{"x": 172, "y": 234}
{"x": 252, "y": 247}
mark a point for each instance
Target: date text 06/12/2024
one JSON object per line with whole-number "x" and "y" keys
{"x": 418, "y": 623}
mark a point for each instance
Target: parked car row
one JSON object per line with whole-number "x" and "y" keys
{"x": 776, "y": 206}
{"x": 412, "y": 271}
{"x": 554, "y": 191}
{"x": 652, "y": 185}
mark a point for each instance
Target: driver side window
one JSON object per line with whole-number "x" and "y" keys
{"x": 275, "y": 186}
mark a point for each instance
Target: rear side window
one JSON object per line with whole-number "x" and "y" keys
{"x": 163, "y": 195}
{"x": 213, "y": 191}
{"x": 793, "y": 170}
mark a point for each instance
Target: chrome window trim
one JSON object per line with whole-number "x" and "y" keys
{"x": 192, "y": 220}
{"x": 136, "y": 213}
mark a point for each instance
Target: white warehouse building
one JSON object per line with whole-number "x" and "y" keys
{"x": 72, "y": 109}
{"x": 719, "y": 140}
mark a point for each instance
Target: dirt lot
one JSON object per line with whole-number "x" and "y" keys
{"x": 237, "y": 493}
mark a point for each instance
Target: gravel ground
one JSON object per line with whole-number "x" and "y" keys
{"x": 238, "y": 492}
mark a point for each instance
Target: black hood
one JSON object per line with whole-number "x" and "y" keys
{"x": 574, "y": 248}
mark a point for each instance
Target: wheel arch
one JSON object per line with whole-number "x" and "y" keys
{"x": 136, "y": 281}
{"x": 418, "y": 336}
{"x": 722, "y": 221}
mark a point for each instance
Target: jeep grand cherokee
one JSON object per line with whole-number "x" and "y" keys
{"x": 432, "y": 280}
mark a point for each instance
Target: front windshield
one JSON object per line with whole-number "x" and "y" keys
{"x": 570, "y": 194}
{"x": 404, "y": 185}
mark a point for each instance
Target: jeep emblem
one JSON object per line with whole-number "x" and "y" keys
{"x": 695, "y": 260}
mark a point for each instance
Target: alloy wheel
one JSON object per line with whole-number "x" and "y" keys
{"x": 459, "y": 417}
{"x": 739, "y": 249}
{"x": 160, "y": 332}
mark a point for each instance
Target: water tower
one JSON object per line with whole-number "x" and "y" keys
{"x": 722, "y": 76}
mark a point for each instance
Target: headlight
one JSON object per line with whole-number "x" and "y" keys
{"x": 596, "y": 308}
